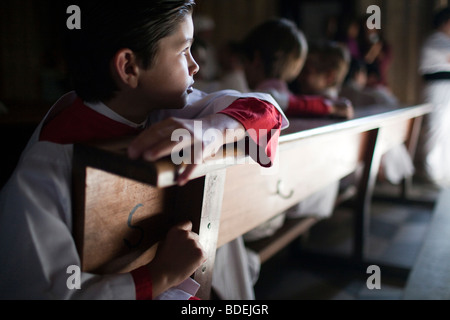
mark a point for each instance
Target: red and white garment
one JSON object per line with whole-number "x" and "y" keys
{"x": 36, "y": 208}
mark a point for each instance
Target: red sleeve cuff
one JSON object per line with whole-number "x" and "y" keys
{"x": 307, "y": 106}
{"x": 143, "y": 283}
{"x": 262, "y": 121}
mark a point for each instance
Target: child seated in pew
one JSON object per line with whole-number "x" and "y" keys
{"x": 356, "y": 89}
{"x": 133, "y": 73}
{"x": 325, "y": 70}
{"x": 274, "y": 54}
{"x": 324, "y": 73}
{"x": 396, "y": 164}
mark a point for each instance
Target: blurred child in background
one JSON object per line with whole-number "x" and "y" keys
{"x": 274, "y": 54}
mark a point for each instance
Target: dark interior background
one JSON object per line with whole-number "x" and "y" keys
{"x": 33, "y": 75}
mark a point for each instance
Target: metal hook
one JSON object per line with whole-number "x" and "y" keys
{"x": 130, "y": 219}
{"x": 279, "y": 192}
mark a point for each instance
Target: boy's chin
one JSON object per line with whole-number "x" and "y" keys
{"x": 180, "y": 103}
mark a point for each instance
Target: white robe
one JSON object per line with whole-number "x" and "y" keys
{"x": 36, "y": 219}
{"x": 436, "y": 58}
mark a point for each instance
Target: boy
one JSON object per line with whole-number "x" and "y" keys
{"x": 274, "y": 55}
{"x": 325, "y": 69}
{"x": 131, "y": 67}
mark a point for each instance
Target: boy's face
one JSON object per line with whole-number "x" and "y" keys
{"x": 311, "y": 81}
{"x": 167, "y": 84}
{"x": 293, "y": 69}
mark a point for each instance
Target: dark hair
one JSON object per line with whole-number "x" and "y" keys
{"x": 275, "y": 40}
{"x": 107, "y": 27}
{"x": 327, "y": 56}
{"x": 356, "y": 66}
{"x": 441, "y": 17}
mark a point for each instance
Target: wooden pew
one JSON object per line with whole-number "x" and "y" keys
{"x": 322, "y": 151}
{"x": 122, "y": 208}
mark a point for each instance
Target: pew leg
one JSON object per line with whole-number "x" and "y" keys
{"x": 203, "y": 195}
{"x": 358, "y": 259}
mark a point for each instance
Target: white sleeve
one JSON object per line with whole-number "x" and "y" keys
{"x": 201, "y": 104}
{"x": 36, "y": 235}
{"x": 184, "y": 291}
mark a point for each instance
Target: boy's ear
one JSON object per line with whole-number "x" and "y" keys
{"x": 126, "y": 68}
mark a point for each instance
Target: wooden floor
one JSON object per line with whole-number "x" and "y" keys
{"x": 397, "y": 233}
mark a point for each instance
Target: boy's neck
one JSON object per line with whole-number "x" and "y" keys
{"x": 128, "y": 108}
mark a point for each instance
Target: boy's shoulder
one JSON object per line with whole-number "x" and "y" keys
{"x": 76, "y": 123}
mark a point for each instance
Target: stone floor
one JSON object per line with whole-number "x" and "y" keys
{"x": 397, "y": 230}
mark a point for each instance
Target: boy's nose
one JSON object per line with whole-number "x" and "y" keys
{"x": 195, "y": 67}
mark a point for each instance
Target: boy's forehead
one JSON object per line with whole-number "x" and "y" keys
{"x": 184, "y": 33}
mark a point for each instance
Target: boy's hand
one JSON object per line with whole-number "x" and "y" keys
{"x": 156, "y": 142}
{"x": 198, "y": 139}
{"x": 177, "y": 258}
{"x": 343, "y": 108}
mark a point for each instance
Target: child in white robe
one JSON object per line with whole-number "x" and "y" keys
{"x": 125, "y": 79}
{"x": 435, "y": 69}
